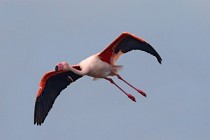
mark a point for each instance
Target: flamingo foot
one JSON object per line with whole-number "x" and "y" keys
{"x": 131, "y": 97}
{"x": 141, "y": 92}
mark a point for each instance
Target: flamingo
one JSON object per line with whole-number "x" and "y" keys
{"x": 100, "y": 65}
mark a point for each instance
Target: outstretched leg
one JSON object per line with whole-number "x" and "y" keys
{"x": 129, "y": 95}
{"x": 138, "y": 90}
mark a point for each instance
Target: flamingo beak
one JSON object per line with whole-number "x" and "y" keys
{"x": 56, "y": 68}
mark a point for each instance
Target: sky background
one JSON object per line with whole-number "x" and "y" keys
{"x": 36, "y": 34}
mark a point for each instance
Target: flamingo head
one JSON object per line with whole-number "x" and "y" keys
{"x": 62, "y": 66}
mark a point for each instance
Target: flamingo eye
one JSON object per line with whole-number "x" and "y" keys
{"x": 56, "y": 68}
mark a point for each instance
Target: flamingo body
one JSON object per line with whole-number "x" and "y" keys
{"x": 97, "y": 68}
{"x": 100, "y": 65}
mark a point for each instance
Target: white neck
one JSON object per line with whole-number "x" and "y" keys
{"x": 79, "y": 72}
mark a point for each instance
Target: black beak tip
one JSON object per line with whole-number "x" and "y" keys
{"x": 56, "y": 68}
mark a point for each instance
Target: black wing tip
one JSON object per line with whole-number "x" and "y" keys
{"x": 159, "y": 59}
{"x": 37, "y": 123}
{"x": 39, "y": 116}
{"x": 155, "y": 53}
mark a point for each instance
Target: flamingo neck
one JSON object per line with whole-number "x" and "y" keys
{"x": 77, "y": 70}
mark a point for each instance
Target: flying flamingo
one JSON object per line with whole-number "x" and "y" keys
{"x": 100, "y": 65}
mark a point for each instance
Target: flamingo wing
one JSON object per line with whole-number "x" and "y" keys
{"x": 126, "y": 42}
{"x": 51, "y": 85}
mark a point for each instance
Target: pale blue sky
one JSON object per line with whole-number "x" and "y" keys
{"x": 35, "y": 35}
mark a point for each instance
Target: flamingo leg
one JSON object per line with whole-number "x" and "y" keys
{"x": 138, "y": 90}
{"x": 129, "y": 95}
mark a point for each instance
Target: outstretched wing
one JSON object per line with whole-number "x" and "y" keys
{"x": 51, "y": 85}
{"x": 124, "y": 43}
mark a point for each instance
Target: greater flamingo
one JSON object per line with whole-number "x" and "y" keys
{"x": 100, "y": 65}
